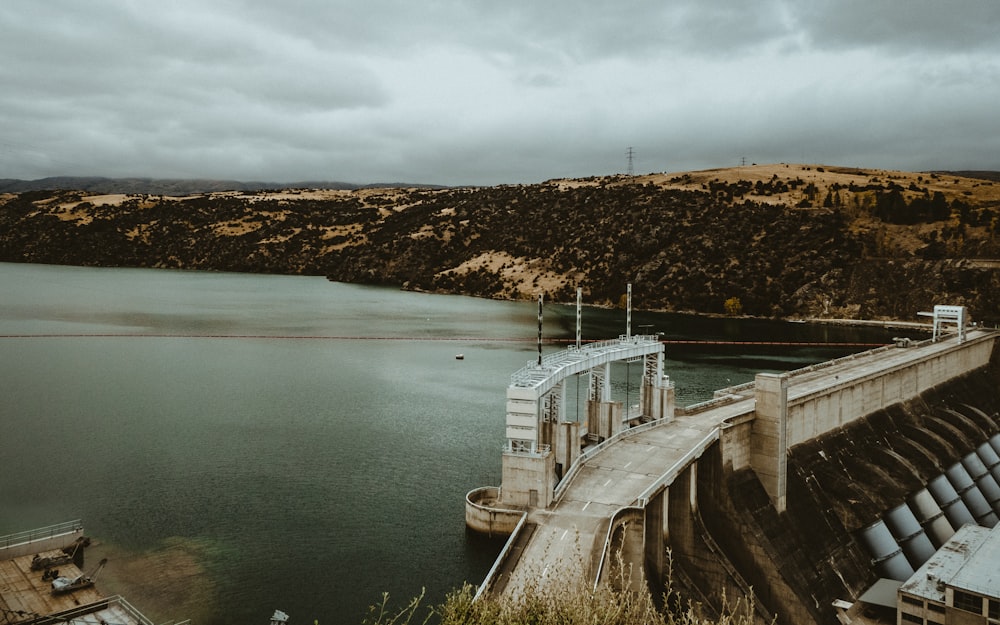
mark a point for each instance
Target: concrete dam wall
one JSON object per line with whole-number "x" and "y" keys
{"x": 801, "y": 556}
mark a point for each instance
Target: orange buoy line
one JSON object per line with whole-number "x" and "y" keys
{"x": 483, "y": 339}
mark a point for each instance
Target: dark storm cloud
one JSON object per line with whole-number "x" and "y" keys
{"x": 903, "y": 26}
{"x": 461, "y": 92}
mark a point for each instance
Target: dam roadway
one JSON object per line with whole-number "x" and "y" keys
{"x": 563, "y": 543}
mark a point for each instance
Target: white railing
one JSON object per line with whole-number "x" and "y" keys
{"x": 508, "y": 546}
{"x": 41, "y": 533}
{"x": 553, "y": 362}
{"x": 68, "y": 616}
{"x": 593, "y": 450}
{"x": 537, "y": 450}
{"x": 671, "y": 474}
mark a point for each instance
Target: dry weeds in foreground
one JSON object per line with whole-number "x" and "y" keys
{"x": 559, "y": 606}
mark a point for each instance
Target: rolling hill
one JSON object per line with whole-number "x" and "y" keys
{"x": 780, "y": 240}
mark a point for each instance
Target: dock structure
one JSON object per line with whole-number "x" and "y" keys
{"x": 26, "y": 591}
{"x": 636, "y": 488}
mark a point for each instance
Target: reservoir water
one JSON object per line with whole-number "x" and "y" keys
{"x": 237, "y": 444}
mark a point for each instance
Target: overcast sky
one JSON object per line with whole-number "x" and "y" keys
{"x": 492, "y": 91}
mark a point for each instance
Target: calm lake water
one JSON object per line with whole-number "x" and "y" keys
{"x": 239, "y": 443}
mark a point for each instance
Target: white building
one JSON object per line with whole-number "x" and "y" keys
{"x": 958, "y": 585}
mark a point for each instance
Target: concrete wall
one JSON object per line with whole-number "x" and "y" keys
{"x": 734, "y": 442}
{"x": 622, "y": 562}
{"x": 528, "y": 479}
{"x": 841, "y": 403}
{"x": 769, "y": 436}
{"x": 784, "y": 419}
{"x": 482, "y": 516}
{"x": 604, "y": 418}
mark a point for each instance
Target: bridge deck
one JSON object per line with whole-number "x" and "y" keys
{"x": 562, "y": 543}
{"x": 561, "y": 547}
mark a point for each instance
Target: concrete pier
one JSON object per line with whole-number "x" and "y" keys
{"x": 26, "y": 594}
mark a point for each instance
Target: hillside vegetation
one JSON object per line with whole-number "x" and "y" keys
{"x": 781, "y": 240}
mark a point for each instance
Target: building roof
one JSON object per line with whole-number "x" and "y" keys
{"x": 967, "y": 562}
{"x": 981, "y": 574}
{"x": 883, "y": 593}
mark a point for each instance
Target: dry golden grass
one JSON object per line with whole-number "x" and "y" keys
{"x": 823, "y": 176}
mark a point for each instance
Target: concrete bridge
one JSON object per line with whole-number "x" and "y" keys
{"x": 635, "y": 489}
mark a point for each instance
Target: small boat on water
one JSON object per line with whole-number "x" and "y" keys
{"x": 459, "y": 356}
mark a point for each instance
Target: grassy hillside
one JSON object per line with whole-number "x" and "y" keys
{"x": 771, "y": 240}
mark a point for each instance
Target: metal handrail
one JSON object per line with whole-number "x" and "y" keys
{"x": 67, "y": 616}
{"x": 593, "y": 450}
{"x": 488, "y": 581}
{"x": 671, "y": 474}
{"x": 41, "y": 533}
{"x": 607, "y": 540}
{"x": 715, "y": 402}
{"x": 554, "y": 361}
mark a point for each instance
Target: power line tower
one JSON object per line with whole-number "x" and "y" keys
{"x": 630, "y": 154}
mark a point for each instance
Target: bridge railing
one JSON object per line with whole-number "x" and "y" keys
{"x": 616, "y": 519}
{"x": 504, "y": 553}
{"x": 559, "y": 359}
{"x": 708, "y": 404}
{"x": 593, "y": 450}
{"x": 536, "y": 452}
{"x": 77, "y": 613}
{"x": 848, "y": 358}
{"x": 675, "y": 469}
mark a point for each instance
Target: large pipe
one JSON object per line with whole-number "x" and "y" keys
{"x": 970, "y": 494}
{"x": 995, "y": 442}
{"x": 911, "y": 537}
{"x": 931, "y": 517}
{"x": 945, "y": 495}
{"x": 887, "y": 557}
{"x": 985, "y": 482}
{"x": 990, "y": 458}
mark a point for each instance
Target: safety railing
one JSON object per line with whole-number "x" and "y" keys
{"x": 68, "y": 616}
{"x": 41, "y": 533}
{"x": 593, "y": 450}
{"x": 533, "y": 370}
{"x": 671, "y": 474}
{"x": 616, "y": 520}
{"x": 508, "y": 546}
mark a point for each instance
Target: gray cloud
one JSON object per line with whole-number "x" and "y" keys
{"x": 458, "y": 92}
{"x": 917, "y": 27}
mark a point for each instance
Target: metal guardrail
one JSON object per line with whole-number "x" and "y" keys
{"x": 68, "y": 616}
{"x": 593, "y": 450}
{"x": 620, "y": 512}
{"x": 42, "y": 533}
{"x": 671, "y": 474}
{"x": 537, "y": 452}
{"x": 715, "y": 402}
{"x": 533, "y": 371}
{"x": 498, "y": 563}
{"x": 883, "y": 349}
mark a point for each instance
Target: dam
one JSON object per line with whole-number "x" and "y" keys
{"x": 803, "y": 489}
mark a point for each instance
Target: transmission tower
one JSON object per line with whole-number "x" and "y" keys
{"x": 630, "y": 154}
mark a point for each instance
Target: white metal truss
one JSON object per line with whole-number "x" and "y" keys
{"x": 596, "y": 387}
